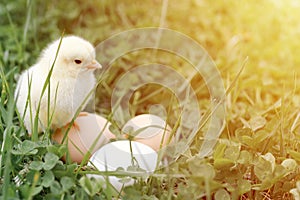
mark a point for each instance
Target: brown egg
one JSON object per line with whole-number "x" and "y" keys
{"x": 150, "y": 130}
{"x": 88, "y": 130}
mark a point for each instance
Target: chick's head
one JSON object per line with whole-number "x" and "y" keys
{"x": 75, "y": 56}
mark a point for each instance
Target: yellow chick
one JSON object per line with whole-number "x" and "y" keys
{"x": 71, "y": 82}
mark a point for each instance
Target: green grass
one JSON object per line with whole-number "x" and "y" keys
{"x": 258, "y": 153}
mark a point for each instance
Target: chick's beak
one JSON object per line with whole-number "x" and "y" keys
{"x": 94, "y": 65}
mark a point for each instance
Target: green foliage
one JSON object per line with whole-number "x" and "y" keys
{"x": 91, "y": 186}
{"x": 257, "y": 156}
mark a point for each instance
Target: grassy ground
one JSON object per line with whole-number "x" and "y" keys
{"x": 257, "y": 154}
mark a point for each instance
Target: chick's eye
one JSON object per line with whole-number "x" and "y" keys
{"x": 77, "y": 61}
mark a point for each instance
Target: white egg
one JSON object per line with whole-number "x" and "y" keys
{"x": 90, "y": 132}
{"x": 123, "y": 154}
{"x": 150, "y": 130}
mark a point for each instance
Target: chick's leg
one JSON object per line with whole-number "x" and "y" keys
{"x": 75, "y": 125}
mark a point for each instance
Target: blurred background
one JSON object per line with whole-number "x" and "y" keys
{"x": 264, "y": 31}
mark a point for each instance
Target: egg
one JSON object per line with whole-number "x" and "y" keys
{"x": 123, "y": 154}
{"x": 89, "y": 129}
{"x": 150, "y": 130}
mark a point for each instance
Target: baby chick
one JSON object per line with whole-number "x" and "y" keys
{"x": 71, "y": 81}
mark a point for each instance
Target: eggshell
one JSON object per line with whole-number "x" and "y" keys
{"x": 150, "y": 129}
{"x": 119, "y": 154}
{"x": 87, "y": 129}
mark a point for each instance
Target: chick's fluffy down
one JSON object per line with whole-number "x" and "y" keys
{"x": 71, "y": 82}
